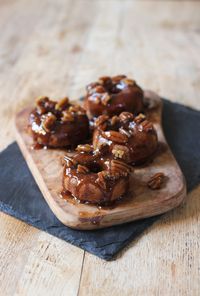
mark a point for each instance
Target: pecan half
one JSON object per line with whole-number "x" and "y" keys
{"x": 105, "y": 99}
{"x": 101, "y": 120}
{"x": 156, "y": 181}
{"x": 40, "y": 104}
{"x": 128, "y": 81}
{"x": 126, "y": 116}
{"x": 70, "y": 162}
{"x": 120, "y": 168}
{"x": 125, "y": 132}
{"x": 114, "y": 120}
{"x": 120, "y": 151}
{"x": 102, "y": 179}
{"x": 76, "y": 109}
{"x": 104, "y": 79}
{"x": 141, "y": 117}
{"x": 116, "y": 137}
{"x": 84, "y": 148}
{"x": 48, "y": 121}
{"x": 147, "y": 126}
{"x": 41, "y": 100}
{"x": 67, "y": 116}
{"x": 62, "y": 104}
{"x": 81, "y": 169}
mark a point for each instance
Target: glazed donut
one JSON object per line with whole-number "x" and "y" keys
{"x": 58, "y": 124}
{"x": 133, "y": 140}
{"x": 91, "y": 178}
{"x": 113, "y": 95}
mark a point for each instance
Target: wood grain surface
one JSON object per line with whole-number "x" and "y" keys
{"x": 47, "y": 169}
{"x": 55, "y": 48}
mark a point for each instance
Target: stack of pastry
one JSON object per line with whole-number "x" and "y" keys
{"x": 109, "y": 136}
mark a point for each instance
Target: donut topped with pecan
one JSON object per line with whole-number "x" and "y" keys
{"x": 58, "y": 124}
{"x": 129, "y": 138}
{"x": 113, "y": 95}
{"x": 91, "y": 178}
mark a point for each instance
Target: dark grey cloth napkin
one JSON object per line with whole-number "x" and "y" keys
{"x": 20, "y": 196}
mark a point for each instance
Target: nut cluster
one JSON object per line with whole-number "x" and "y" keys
{"x": 102, "y": 90}
{"x": 106, "y": 80}
{"x": 145, "y": 125}
{"x": 51, "y": 111}
{"x": 71, "y": 113}
{"x": 130, "y": 138}
{"x": 117, "y": 170}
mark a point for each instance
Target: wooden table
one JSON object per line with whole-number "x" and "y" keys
{"x": 55, "y": 48}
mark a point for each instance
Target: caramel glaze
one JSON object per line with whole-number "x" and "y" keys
{"x": 113, "y": 95}
{"x": 66, "y": 195}
{"x": 58, "y": 124}
{"x": 95, "y": 179}
{"x": 129, "y": 138}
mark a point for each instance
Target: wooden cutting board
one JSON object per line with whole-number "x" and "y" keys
{"x": 46, "y": 167}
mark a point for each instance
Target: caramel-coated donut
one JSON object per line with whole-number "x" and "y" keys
{"x": 133, "y": 140}
{"x": 91, "y": 178}
{"x": 113, "y": 95}
{"x": 58, "y": 124}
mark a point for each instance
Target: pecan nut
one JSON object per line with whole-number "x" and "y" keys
{"x": 125, "y": 132}
{"x": 81, "y": 169}
{"x": 114, "y": 120}
{"x": 128, "y": 81}
{"x": 62, "y": 104}
{"x": 76, "y": 109}
{"x": 126, "y": 116}
{"x": 116, "y": 137}
{"x": 120, "y": 151}
{"x": 101, "y": 120}
{"x": 70, "y": 162}
{"x": 40, "y": 104}
{"x": 141, "y": 117}
{"x": 147, "y": 126}
{"x": 120, "y": 168}
{"x": 48, "y": 121}
{"x": 105, "y": 99}
{"x": 67, "y": 116}
{"x": 156, "y": 181}
{"x": 102, "y": 179}
{"x": 84, "y": 148}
